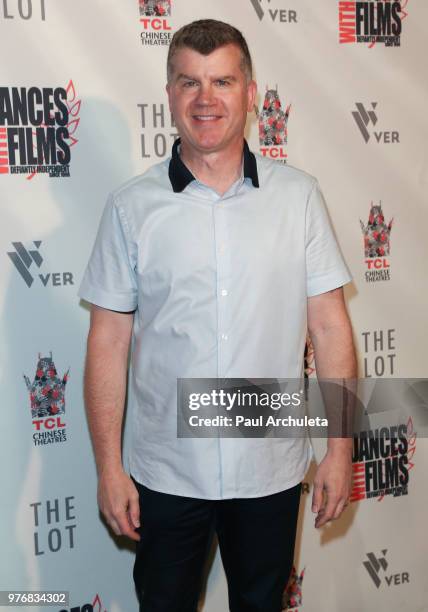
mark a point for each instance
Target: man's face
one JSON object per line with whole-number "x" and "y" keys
{"x": 209, "y": 97}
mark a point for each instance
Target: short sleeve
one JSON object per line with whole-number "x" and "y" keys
{"x": 110, "y": 278}
{"x": 325, "y": 267}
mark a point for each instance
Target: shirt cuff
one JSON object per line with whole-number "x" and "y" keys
{"x": 328, "y": 282}
{"x": 105, "y": 299}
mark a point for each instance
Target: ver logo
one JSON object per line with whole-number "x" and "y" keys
{"x": 363, "y": 118}
{"x": 281, "y": 15}
{"x": 375, "y": 565}
{"x": 23, "y": 259}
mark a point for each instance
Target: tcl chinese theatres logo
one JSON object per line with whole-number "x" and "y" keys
{"x": 155, "y": 22}
{"x": 47, "y": 402}
{"x": 273, "y": 125}
{"x": 377, "y": 245}
{"x": 292, "y": 595}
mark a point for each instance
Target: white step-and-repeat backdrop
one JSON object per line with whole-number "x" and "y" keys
{"x": 343, "y": 94}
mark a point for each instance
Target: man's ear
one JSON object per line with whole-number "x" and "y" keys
{"x": 167, "y": 88}
{"x": 251, "y": 93}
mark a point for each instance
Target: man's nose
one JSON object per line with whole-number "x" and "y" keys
{"x": 205, "y": 94}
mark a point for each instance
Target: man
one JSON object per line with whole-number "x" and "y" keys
{"x": 217, "y": 261}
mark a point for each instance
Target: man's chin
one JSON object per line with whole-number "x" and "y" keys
{"x": 210, "y": 143}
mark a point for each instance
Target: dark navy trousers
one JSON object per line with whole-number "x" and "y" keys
{"x": 256, "y": 538}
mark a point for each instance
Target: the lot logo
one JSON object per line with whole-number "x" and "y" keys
{"x": 23, "y": 259}
{"x": 154, "y": 17}
{"x": 55, "y": 524}
{"x": 366, "y": 118}
{"x": 275, "y": 14}
{"x": 37, "y": 127}
{"x": 11, "y": 9}
{"x": 95, "y": 606}
{"x": 273, "y": 126}
{"x": 158, "y": 130}
{"x": 382, "y": 460}
{"x": 379, "y": 353}
{"x": 376, "y": 568}
{"x": 371, "y": 22}
{"x": 377, "y": 248}
{"x": 47, "y": 402}
{"x": 292, "y": 595}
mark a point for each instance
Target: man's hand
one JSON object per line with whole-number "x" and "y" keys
{"x": 333, "y": 476}
{"x": 118, "y": 501}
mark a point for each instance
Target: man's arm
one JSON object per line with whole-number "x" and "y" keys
{"x": 331, "y": 334}
{"x": 105, "y": 389}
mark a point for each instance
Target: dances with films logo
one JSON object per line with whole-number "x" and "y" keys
{"x": 372, "y": 21}
{"x": 95, "y": 606}
{"x": 37, "y": 130}
{"x": 273, "y": 126}
{"x": 155, "y": 20}
{"x": 382, "y": 460}
{"x": 47, "y": 402}
{"x": 376, "y": 245}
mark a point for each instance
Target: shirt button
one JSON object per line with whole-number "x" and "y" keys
{"x": 224, "y": 336}
{"x": 221, "y": 249}
{"x": 224, "y": 292}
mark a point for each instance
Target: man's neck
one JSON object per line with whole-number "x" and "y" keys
{"x": 218, "y": 170}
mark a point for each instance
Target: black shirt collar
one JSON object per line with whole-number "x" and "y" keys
{"x": 180, "y": 176}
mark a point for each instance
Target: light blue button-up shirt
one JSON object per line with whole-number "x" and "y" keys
{"x": 220, "y": 286}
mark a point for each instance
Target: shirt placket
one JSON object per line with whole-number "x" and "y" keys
{"x": 224, "y": 294}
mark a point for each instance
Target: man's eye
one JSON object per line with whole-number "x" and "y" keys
{"x": 189, "y": 83}
{"x": 222, "y": 82}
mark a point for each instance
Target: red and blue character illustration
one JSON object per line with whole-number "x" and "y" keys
{"x": 272, "y": 120}
{"x": 376, "y": 233}
{"x": 47, "y": 389}
{"x": 292, "y": 596}
{"x": 155, "y": 8}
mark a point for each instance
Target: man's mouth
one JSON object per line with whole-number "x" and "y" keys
{"x": 206, "y": 117}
